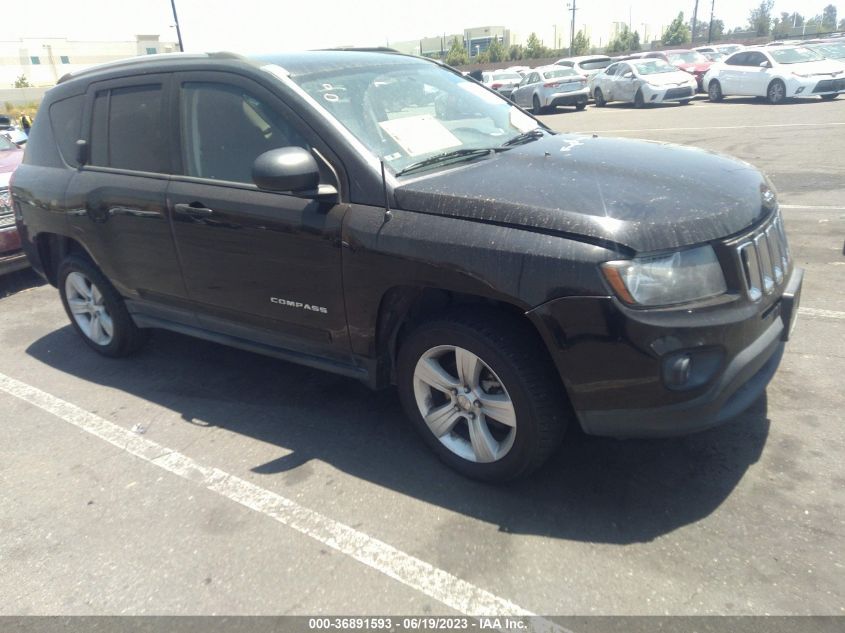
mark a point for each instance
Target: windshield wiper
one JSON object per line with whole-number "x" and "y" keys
{"x": 525, "y": 137}
{"x": 446, "y": 157}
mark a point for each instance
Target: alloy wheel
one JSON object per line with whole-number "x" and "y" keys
{"x": 87, "y": 305}
{"x": 464, "y": 404}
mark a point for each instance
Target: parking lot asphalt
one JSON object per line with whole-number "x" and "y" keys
{"x": 197, "y": 479}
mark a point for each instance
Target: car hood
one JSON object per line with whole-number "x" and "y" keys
{"x": 818, "y": 67}
{"x": 643, "y": 195}
{"x": 695, "y": 68}
{"x": 663, "y": 79}
{"x": 9, "y": 160}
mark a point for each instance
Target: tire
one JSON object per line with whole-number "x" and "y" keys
{"x": 776, "y": 92}
{"x": 599, "y": 97}
{"x": 639, "y": 101}
{"x": 829, "y": 97}
{"x": 685, "y": 101}
{"x": 514, "y": 374}
{"x": 580, "y": 106}
{"x": 714, "y": 91}
{"x": 96, "y": 310}
{"x": 536, "y": 108}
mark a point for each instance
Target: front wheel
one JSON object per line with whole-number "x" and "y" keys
{"x": 96, "y": 310}
{"x": 639, "y": 101}
{"x": 599, "y": 97}
{"x": 714, "y": 91}
{"x": 580, "y": 106}
{"x": 776, "y": 92}
{"x": 483, "y": 393}
{"x": 536, "y": 108}
{"x": 684, "y": 101}
{"x": 829, "y": 97}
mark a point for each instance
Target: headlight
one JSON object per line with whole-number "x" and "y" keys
{"x": 678, "y": 277}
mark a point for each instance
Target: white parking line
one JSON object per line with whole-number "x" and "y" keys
{"x": 717, "y": 127}
{"x": 810, "y": 206}
{"x": 411, "y": 571}
{"x": 824, "y": 314}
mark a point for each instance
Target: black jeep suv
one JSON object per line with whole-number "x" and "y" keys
{"x": 380, "y": 216}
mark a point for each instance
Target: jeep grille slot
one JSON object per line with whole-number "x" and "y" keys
{"x": 764, "y": 260}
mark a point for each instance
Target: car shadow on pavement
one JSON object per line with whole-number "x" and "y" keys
{"x": 592, "y": 489}
{"x": 19, "y": 280}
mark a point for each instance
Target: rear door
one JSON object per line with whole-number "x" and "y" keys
{"x": 259, "y": 265}
{"x": 116, "y": 201}
{"x": 730, "y": 76}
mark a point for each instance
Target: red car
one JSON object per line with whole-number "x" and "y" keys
{"x": 692, "y": 62}
{"x": 11, "y": 256}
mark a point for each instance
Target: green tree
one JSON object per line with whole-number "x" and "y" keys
{"x": 829, "y": 18}
{"x": 841, "y": 26}
{"x": 515, "y": 52}
{"x": 457, "y": 54}
{"x": 624, "y": 42}
{"x": 496, "y": 51}
{"x": 760, "y": 17}
{"x": 22, "y": 82}
{"x": 678, "y": 32}
{"x": 534, "y": 49}
{"x": 580, "y": 44}
{"x": 716, "y": 30}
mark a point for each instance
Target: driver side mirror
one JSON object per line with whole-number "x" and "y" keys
{"x": 290, "y": 169}
{"x": 765, "y": 64}
{"x": 628, "y": 75}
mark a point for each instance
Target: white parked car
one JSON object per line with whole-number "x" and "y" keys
{"x": 545, "y": 88}
{"x": 642, "y": 81}
{"x": 777, "y": 73}
{"x": 724, "y": 49}
{"x": 502, "y": 81}
{"x": 586, "y": 65}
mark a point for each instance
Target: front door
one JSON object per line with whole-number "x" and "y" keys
{"x": 258, "y": 265}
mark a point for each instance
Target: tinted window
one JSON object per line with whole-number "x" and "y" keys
{"x": 224, "y": 129}
{"x": 66, "y": 121}
{"x": 132, "y": 135}
{"x": 754, "y": 59}
{"x": 736, "y": 60}
{"x": 611, "y": 70}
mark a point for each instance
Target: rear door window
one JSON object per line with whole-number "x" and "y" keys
{"x": 66, "y": 121}
{"x": 128, "y": 129}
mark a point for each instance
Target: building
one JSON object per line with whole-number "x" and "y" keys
{"x": 477, "y": 40}
{"x": 44, "y": 60}
{"x": 436, "y": 46}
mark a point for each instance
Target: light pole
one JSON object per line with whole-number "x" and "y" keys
{"x": 178, "y": 30}
{"x": 571, "y": 7}
{"x": 710, "y": 30}
{"x": 694, "y": 20}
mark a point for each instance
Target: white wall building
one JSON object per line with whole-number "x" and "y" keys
{"x": 44, "y": 60}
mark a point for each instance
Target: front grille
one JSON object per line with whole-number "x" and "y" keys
{"x": 678, "y": 93}
{"x": 829, "y": 85}
{"x": 764, "y": 259}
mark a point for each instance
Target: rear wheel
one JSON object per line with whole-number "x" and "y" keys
{"x": 599, "y": 97}
{"x": 776, "y": 92}
{"x": 580, "y": 106}
{"x": 685, "y": 101}
{"x": 536, "y": 108}
{"x": 639, "y": 101}
{"x": 483, "y": 393}
{"x": 96, "y": 310}
{"x": 714, "y": 91}
{"x": 829, "y": 97}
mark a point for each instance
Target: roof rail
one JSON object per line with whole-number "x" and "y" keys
{"x": 141, "y": 59}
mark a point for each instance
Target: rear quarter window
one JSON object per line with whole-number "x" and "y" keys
{"x": 66, "y": 121}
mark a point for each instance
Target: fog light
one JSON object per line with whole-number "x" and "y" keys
{"x": 800, "y": 89}
{"x": 688, "y": 369}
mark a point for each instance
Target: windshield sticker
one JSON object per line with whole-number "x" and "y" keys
{"x": 568, "y": 144}
{"x": 421, "y": 134}
{"x": 481, "y": 92}
{"x": 522, "y": 121}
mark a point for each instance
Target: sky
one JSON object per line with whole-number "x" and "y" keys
{"x": 261, "y": 26}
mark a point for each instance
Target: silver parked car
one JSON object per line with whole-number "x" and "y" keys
{"x": 502, "y": 81}
{"x": 642, "y": 81}
{"x": 545, "y": 88}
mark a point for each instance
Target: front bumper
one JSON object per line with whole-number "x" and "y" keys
{"x": 814, "y": 86}
{"x": 668, "y": 94}
{"x": 612, "y": 361}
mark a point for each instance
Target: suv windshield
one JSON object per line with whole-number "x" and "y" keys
{"x": 794, "y": 55}
{"x": 406, "y": 113}
{"x": 654, "y": 67}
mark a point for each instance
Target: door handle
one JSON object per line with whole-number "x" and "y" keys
{"x": 194, "y": 209}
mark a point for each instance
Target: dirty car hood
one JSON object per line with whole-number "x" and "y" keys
{"x": 643, "y": 195}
